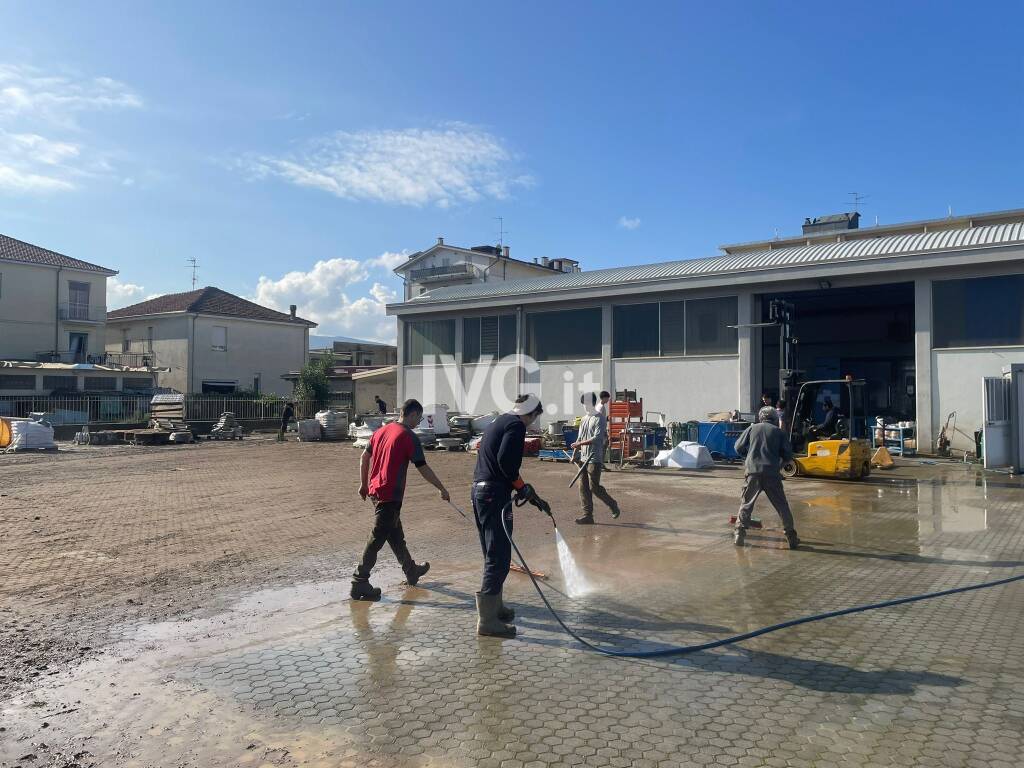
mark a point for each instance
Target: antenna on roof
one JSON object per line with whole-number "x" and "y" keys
{"x": 857, "y": 199}
{"x": 501, "y": 230}
{"x": 195, "y": 270}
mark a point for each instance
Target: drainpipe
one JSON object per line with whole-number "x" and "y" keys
{"x": 56, "y": 314}
{"x": 191, "y": 355}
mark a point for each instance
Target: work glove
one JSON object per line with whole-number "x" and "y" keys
{"x": 528, "y": 494}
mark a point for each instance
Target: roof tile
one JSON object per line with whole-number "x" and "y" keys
{"x": 207, "y": 301}
{"x": 18, "y": 250}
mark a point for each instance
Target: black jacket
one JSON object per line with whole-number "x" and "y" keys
{"x": 500, "y": 453}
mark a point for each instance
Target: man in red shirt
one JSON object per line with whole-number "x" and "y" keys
{"x": 382, "y": 471}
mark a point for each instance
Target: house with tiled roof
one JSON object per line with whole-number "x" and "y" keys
{"x": 52, "y": 306}
{"x": 209, "y": 340}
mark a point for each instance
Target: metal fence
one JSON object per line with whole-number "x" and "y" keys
{"x": 135, "y": 409}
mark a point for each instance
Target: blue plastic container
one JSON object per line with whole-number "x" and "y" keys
{"x": 720, "y": 437}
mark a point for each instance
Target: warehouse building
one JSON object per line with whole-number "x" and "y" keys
{"x": 921, "y": 311}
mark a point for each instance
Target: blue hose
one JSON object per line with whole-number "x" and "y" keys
{"x": 681, "y": 650}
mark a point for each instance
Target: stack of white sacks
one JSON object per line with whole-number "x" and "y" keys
{"x": 30, "y": 435}
{"x": 333, "y": 424}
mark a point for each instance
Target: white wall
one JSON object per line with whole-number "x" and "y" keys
{"x": 432, "y": 385}
{"x": 682, "y": 388}
{"x": 558, "y": 384}
{"x": 28, "y": 310}
{"x": 489, "y": 387}
{"x": 253, "y": 347}
{"x": 956, "y": 386}
{"x": 170, "y": 344}
{"x": 384, "y": 385}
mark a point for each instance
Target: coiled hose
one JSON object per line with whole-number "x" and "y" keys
{"x": 681, "y": 650}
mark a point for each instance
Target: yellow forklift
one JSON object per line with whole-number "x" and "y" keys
{"x": 842, "y": 454}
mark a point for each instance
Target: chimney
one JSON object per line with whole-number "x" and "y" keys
{"x": 291, "y": 310}
{"x": 440, "y": 241}
{"x": 544, "y": 261}
{"x": 505, "y": 251}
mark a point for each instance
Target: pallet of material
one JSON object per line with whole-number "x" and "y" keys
{"x": 147, "y": 436}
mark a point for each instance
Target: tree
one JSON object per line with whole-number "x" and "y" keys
{"x": 314, "y": 381}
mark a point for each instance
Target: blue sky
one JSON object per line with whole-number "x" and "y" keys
{"x": 296, "y": 150}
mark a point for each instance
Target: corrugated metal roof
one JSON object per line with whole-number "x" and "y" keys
{"x": 751, "y": 261}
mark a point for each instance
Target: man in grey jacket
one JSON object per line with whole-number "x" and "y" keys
{"x": 765, "y": 449}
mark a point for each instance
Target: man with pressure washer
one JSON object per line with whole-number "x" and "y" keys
{"x": 382, "y": 469}
{"x": 496, "y": 476}
{"x": 765, "y": 449}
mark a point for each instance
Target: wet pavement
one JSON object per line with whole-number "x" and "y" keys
{"x": 286, "y": 671}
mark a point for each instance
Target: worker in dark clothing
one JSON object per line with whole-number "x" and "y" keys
{"x": 765, "y": 449}
{"x": 382, "y": 471}
{"x": 827, "y": 428}
{"x": 496, "y": 476}
{"x": 286, "y": 416}
{"x": 382, "y": 407}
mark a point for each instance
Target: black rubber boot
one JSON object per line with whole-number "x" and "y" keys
{"x": 793, "y": 539}
{"x": 739, "y": 535}
{"x": 586, "y": 519}
{"x": 488, "y": 624}
{"x": 413, "y": 576}
{"x": 504, "y": 612}
{"x": 361, "y": 590}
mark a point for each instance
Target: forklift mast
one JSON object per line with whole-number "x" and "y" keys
{"x": 782, "y": 313}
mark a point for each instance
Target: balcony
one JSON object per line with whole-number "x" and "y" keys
{"x": 72, "y": 312}
{"x": 121, "y": 359}
{"x": 444, "y": 272}
{"x": 129, "y": 359}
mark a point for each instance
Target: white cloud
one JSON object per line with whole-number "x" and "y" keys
{"x": 334, "y": 295}
{"x": 34, "y": 109}
{"x": 627, "y": 223}
{"x": 451, "y": 165}
{"x": 55, "y": 98}
{"x": 389, "y": 260}
{"x": 120, "y": 294}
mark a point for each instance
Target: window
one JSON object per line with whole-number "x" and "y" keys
{"x": 707, "y": 326}
{"x": 60, "y": 382}
{"x": 219, "y": 387}
{"x": 691, "y": 327}
{"x": 493, "y": 336}
{"x": 219, "y": 338}
{"x": 100, "y": 383}
{"x": 25, "y": 383}
{"x": 964, "y": 312}
{"x": 571, "y": 334}
{"x": 635, "y": 330}
{"x": 78, "y": 301}
{"x": 136, "y": 383}
{"x": 673, "y": 328}
{"x": 78, "y": 346}
{"x": 428, "y": 337}
{"x": 149, "y": 339}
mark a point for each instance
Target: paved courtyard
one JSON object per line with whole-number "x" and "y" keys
{"x": 188, "y": 607}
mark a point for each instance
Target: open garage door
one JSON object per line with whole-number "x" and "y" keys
{"x": 865, "y": 332}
